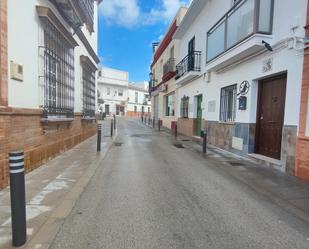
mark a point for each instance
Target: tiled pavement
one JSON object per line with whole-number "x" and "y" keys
{"x": 52, "y": 190}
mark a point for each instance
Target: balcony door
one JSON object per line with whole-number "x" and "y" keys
{"x": 191, "y": 49}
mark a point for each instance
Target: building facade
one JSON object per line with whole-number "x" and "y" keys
{"x": 239, "y": 75}
{"x": 48, "y": 87}
{"x": 139, "y": 103}
{"x": 302, "y": 161}
{"x": 113, "y": 91}
{"x": 163, "y": 71}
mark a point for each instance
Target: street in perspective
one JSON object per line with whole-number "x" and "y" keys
{"x": 167, "y": 124}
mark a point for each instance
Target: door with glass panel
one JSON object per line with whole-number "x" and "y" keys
{"x": 198, "y": 120}
{"x": 191, "y": 48}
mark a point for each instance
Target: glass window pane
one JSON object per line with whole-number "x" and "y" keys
{"x": 265, "y": 16}
{"x": 215, "y": 40}
{"x": 240, "y": 23}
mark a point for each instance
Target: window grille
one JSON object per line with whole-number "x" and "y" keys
{"x": 184, "y": 108}
{"x": 228, "y": 103}
{"x": 56, "y": 73}
{"x": 88, "y": 92}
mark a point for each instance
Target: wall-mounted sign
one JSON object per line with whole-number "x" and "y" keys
{"x": 244, "y": 88}
{"x": 212, "y": 106}
{"x": 242, "y": 105}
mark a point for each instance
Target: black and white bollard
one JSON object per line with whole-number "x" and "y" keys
{"x": 204, "y": 141}
{"x": 112, "y": 127}
{"x": 114, "y": 122}
{"x": 18, "y": 198}
{"x": 99, "y": 137}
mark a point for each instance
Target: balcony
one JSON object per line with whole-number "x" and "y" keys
{"x": 240, "y": 30}
{"x": 169, "y": 70}
{"x": 188, "y": 68}
{"x": 77, "y": 12}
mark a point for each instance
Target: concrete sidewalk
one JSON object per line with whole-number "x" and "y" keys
{"x": 288, "y": 192}
{"x": 52, "y": 190}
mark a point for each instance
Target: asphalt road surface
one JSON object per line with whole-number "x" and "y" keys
{"x": 148, "y": 194}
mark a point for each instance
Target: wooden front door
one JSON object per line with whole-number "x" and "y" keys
{"x": 270, "y": 116}
{"x": 198, "y": 121}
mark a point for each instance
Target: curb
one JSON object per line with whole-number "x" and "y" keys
{"x": 50, "y": 228}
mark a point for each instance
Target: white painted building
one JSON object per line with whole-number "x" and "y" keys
{"x": 55, "y": 55}
{"x": 247, "y": 97}
{"x": 47, "y": 78}
{"x": 113, "y": 90}
{"x": 138, "y": 101}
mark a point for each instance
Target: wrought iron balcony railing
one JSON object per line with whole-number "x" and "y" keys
{"x": 169, "y": 66}
{"x": 192, "y": 62}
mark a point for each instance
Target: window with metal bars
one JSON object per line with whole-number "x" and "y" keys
{"x": 228, "y": 103}
{"x": 88, "y": 92}
{"x": 56, "y": 73}
{"x": 184, "y": 107}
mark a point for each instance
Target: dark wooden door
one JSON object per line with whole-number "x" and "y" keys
{"x": 270, "y": 116}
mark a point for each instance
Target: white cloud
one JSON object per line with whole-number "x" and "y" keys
{"x": 121, "y": 12}
{"x": 127, "y": 13}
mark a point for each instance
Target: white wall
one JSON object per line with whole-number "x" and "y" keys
{"x": 24, "y": 38}
{"x": 284, "y": 60}
{"x": 140, "y": 103}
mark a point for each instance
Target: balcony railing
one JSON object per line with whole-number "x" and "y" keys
{"x": 77, "y": 12}
{"x": 246, "y": 18}
{"x": 169, "y": 66}
{"x": 192, "y": 62}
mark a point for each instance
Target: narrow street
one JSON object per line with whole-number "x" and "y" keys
{"x": 149, "y": 194}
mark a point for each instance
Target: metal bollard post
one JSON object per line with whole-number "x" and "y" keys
{"x": 18, "y": 199}
{"x": 176, "y": 132}
{"x": 142, "y": 118}
{"x": 153, "y": 123}
{"x": 114, "y": 122}
{"x": 159, "y": 125}
{"x": 99, "y": 136}
{"x": 112, "y": 128}
{"x": 205, "y": 142}
{"x": 149, "y": 121}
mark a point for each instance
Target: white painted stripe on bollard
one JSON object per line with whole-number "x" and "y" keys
{"x": 16, "y": 157}
{"x": 17, "y": 171}
{"x": 17, "y": 164}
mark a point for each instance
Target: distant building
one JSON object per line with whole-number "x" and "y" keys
{"x": 138, "y": 101}
{"x": 113, "y": 91}
{"x": 117, "y": 96}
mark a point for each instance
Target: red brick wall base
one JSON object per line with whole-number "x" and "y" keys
{"x": 133, "y": 114}
{"x": 302, "y": 159}
{"x": 185, "y": 126}
{"x": 23, "y": 130}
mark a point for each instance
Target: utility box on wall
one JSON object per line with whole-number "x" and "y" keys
{"x": 17, "y": 71}
{"x": 242, "y": 103}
